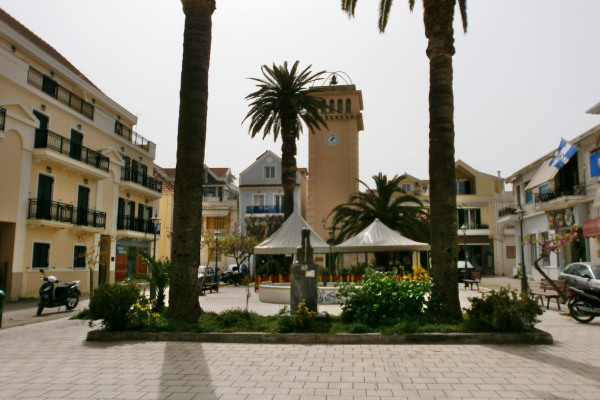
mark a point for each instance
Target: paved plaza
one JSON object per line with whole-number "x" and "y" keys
{"x": 52, "y": 360}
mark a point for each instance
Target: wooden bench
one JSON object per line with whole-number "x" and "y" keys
{"x": 547, "y": 291}
{"x": 475, "y": 279}
{"x": 207, "y": 285}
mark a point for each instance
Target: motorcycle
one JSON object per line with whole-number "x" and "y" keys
{"x": 584, "y": 305}
{"x": 66, "y": 294}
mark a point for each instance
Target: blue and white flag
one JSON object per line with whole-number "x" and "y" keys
{"x": 563, "y": 154}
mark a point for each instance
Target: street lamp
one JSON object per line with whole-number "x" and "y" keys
{"x": 217, "y": 233}
{"x": 156, "y": 225}
{"x": 520, "y": 212}
{"x": 464, "y": 228}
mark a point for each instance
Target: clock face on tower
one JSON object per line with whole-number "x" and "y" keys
{"x": 332, "y": 139}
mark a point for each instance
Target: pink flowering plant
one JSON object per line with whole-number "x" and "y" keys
{"x": 552, "y": 242}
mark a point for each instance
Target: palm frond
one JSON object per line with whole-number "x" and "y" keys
{"x": 462, "y": 5}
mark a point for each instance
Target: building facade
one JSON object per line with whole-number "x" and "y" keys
{"x": 544, "y": 194}
{"x": 219, "y": 211}
{"x": 76, "y": 199}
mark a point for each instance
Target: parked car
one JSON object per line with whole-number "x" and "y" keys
{"x": 234, "y": 274}
{"x": 582, "y": 275}
{"x": 211, "y": 277}
{"x": 461, "y": 270}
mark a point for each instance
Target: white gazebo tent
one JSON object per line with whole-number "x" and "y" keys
{"x": 378, "y": 237}
{"x": 289, "y": 236}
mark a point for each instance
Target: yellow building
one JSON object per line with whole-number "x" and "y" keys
{"x": 219, "y": 211}
{"x": 479, "y": 199}
{"x": 76, "y": 198}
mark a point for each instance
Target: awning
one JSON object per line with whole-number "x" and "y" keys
{"x": 543, "y": 175}
{"x": 215, "y": 213}
{"x": 591, "y": 228}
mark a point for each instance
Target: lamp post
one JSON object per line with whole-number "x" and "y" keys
{"x": 464, "y": 228}
{"x": 156, "y": 225}
{"x": 520, "y": 212}
{"x": 217, "y": 233}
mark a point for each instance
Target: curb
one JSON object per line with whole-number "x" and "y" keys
{"x": 533, "y": 337}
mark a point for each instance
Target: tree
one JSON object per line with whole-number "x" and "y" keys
{"x": 438, "y": 18}
{"x": 191, "y": 139}
{"x": 282, "y": 102}
{"x": 386, "y": 202}
{"x": 90, "y": 254}
{"x": 234, "y": 243}
{"x": 263, "y": 227}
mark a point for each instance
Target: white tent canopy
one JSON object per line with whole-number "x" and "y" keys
{"x": 289, "y": 236}
{"x": 378, "y": 237}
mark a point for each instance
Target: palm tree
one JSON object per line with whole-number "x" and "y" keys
{"x": 158, "y": 277}
{"x": 281, "y": 103}
{"x": 386, "y": 202}
{"x": 191, "y": 138}
{"x": 438, "y": 18}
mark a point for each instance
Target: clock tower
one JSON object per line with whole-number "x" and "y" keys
{"x": 333, "y": 154}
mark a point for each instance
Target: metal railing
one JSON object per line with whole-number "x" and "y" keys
{"x": 2, "y": 118}
{"x": 264, "y": 209}
{"x": 137, "y": 176}
{"x": 133, "y": 136}
{"x": 60, "y": 93}
{"x": 61, "y": 212}
{"x": 503, "y": 212}
{"x": 557, "y": 192}
{"x": 130, "y": 223}
{"x": 45, "y": 139}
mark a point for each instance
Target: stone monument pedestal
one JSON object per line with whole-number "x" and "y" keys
{"x": 303, "y": 285}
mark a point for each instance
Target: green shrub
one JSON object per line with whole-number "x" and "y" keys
{"x": 358, "y": 269}
{"x": 271, "y": 267}
{"x": 503, "y": 311}
{"x": 382, "y": 299}
{"x": 111, "y": 304}
{"x": 142, "y": 314}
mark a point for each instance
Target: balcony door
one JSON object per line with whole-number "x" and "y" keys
{"x": 83, "y": 203}
{"x": 75, "y": 146}
{"x": 44, "y": 196}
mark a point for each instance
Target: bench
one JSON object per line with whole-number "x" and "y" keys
{"x": 208, "y": 285}
{"x": 475, "y": 279}
{"x": 547, "y": 291}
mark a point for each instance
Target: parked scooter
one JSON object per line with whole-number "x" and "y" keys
{"x": 584, "y": 305}
{"x": 65, "y": 294}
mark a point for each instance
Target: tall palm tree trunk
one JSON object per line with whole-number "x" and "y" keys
{"x": 288, "y": 166}
{"x": 191, "y": 138}
{"x": 438, "y": 18}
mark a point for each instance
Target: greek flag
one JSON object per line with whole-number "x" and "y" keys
{"x": 563, "y": 154}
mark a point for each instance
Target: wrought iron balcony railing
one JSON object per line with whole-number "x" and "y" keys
{"x": 557, "y": 192}
{"x": 45, "y": 139}
{"x": 61, "y": 212}
{"x": 2, "y": 118}
{"x": 133, "y": 136}
{"x": 264, "y": 209}
{"x": 137, "y": 176}
{"x": 503, "y": 212}
{"x": 52, "y": 88}
{"x": 129, "y": 223}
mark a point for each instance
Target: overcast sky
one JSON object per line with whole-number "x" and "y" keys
{"x": 524, "y": 74}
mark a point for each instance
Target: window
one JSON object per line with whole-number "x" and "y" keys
{"x": 544, "y": 188}
{"x": 528, "y": 196}
{"x": 511, "y": 252}
{"x": 463, "y": 186}
{"x": 211, "y": 191}
{"x": 348, "y": 106}
{"x": 258, "y": 200}
{"x": 406, "y": 187}
{"x": 278, "y": 203}
{"x": 270, "y": 172}
{"x": 471, "y": 217}
{"x": 79, "y": 256}
{"x": 340, "y": 108}
{"x": 40, "y": 255}
{"x": 331, "y": 106}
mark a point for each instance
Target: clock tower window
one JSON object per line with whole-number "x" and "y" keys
{"x": 340, "y": 108}
{"x": 331, "y": 106}
{"x": 348, "y": 106}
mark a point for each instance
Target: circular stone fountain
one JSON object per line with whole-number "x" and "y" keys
{"x": 279, "y": 293}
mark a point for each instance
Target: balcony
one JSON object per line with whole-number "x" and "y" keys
{"x": 264, "y": 209}
{"x": 134, "y": 137}
{"x": 62, "y": 213}
{"x": 2, "y": 118}
{"x": 506, "y": 211}
{"x": 52, "y": 88}
{"x": 558, "y": 192}
{"x": 129, "y": 174}
{"x": 130, "y": 223}
{"x": 45, "y": 139}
